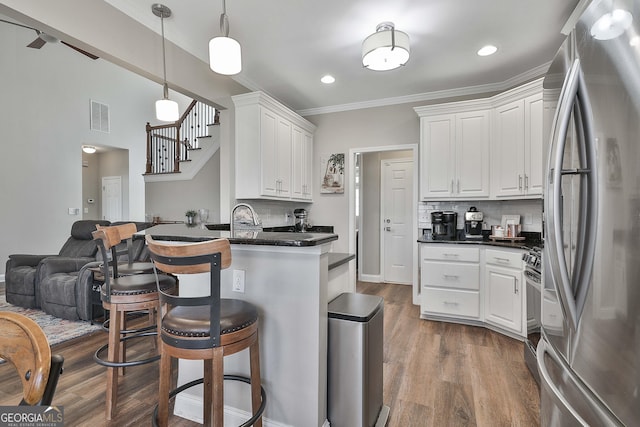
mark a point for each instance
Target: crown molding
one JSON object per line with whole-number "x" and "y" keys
{"x": 429, "y": 96}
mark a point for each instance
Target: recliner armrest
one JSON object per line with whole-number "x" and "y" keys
{"x": 58, "y": 264}
{"x": 20, "y": 260}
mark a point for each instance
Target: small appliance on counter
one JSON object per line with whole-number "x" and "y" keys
{"x": 443, "y": 225}
{"x": 473, "y": 224}
{"x": 302, "y": 222}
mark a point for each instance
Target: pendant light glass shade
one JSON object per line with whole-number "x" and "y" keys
{"x": 385, "y": 49}
{"x": 225, "y": 56}
{"x": 167, "y": 110}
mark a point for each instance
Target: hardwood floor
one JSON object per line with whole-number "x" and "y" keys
{"x": 435, "y": 374}
{"x": 443, "y": 374}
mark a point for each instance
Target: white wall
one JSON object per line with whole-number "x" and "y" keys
{"x": 340, "y": 132}
{"x": 44, "y": 117}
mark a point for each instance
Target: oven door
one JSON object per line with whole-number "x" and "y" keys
{"x": 534, "y": 314}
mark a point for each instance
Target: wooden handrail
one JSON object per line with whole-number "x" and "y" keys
{"x": 158, "y": 155}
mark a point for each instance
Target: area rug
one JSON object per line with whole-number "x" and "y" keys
{"x": 57, "y": 330}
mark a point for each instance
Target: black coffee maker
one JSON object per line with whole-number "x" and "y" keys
{"x": 473, "y": 224}
{"x": 443, "y": 225}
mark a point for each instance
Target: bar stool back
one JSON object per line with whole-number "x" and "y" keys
{"x": 206, "y": 328}
{"x": 122, "y": 295}
{"x": 130, "y": 266}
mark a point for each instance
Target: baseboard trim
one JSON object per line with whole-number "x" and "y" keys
{"x": 373, "y": 278}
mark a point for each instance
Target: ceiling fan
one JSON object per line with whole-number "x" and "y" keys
{"x": 44, "y": 38}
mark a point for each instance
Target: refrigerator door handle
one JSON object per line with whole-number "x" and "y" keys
{"x": 604, "y": 415}
{"x": 553, "y": 196}
{"x": 574, "y": 98}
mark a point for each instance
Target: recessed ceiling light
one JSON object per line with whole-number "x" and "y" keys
{"x": 487, "y": 50}
{"x": 635, "y": 41}
{"x": 328, "y": 79}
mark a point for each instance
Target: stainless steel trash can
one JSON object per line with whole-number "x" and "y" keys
{"x": 355, "y": 361}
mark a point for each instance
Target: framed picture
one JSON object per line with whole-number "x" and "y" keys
{"x": 333, "y": 174}
{"x": 614, "y": 167}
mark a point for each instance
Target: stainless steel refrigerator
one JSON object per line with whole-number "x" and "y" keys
{"x": 589, "y": 354}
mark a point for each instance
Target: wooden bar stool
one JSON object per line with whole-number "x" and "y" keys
{"x": 122, "y": 295}
{"x": 206, "y": 328}
{"x": 130, "y": 266}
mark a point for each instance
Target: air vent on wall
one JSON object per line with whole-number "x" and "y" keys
{"x": 99, "y": 117}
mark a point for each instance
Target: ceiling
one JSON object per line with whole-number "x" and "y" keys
{"x": 288, "y": 45}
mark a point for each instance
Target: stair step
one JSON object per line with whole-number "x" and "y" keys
{"x": 184, "y": 160}
{"x": 203, "y": 136}
{"x": 194, "y": 149}
{"x": 161, "y": 173}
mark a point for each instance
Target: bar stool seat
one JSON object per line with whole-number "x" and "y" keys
{"x": 205, "y": 328}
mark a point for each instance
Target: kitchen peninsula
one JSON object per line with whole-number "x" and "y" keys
{"x": 286, "y": 277}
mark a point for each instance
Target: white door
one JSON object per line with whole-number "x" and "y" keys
{"x": 396, "y": 213}
{"x": 112, "y": 198}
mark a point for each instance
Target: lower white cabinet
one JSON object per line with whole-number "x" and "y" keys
{"x": 450, "y": 281}
{"x": 473, "y": 284}
{"x": 504, "y": 292}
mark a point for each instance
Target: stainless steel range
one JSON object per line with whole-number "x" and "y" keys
{"x": 533, "y": 279}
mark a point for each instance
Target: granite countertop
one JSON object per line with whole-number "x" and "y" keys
{"x": 181, "y": 232}
{"x": 532, "y": 239}
{"x": 336, "y": 259}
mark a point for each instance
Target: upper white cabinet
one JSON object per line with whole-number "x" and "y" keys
{"x": 454, "y": 151}
{"x": 273, "y": 150}
{"x": 518, "y": 145}
{"x": 483, "y": 149}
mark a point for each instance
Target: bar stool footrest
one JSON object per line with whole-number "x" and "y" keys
{"x": 246, "y": 380}
{"x": 100, "y": 361}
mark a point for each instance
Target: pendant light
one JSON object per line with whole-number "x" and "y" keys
{"x": 166, "y": 109}
{"x": 225, "y": 56}
{"x": 385, "y": 49}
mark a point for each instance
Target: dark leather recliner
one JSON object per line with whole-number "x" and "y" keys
{"x": 66, "y": 285}
{"x": 22, "y": 275}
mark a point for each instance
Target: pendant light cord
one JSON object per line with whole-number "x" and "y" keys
{"x": 164, "y": 61}
{"x": 224, "y": 20}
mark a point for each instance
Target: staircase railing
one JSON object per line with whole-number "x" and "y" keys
{"x": 169, "y": 145}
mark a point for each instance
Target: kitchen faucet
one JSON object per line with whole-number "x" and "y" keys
{"x": 244, "y": 217}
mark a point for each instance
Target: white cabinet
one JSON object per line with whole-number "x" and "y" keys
{"x": 454, "y": 154}
{"x": 273, "y": 150}
{"x": 517, "y": 151}
{"x": 302, "y": 164}
{"x": 450, "y": 282}
{"x": 504, "y": 291}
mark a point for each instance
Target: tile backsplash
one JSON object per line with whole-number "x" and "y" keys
{"x": 530, "y": 212}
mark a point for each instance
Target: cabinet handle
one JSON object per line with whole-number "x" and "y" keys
{"x": 498, "y": 259}
{"x": 520, "y": 182}
{"x": 451, "y": 255}
{"x": 450, "y": 276}
{"x": 450, "y": 303}
{"x": 515, "y": 288}
{"x": 526, "y": 181}
{"x": 452, "y": 186}
{"x": 458, "y": 186}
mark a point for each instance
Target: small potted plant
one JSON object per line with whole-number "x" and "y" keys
{"x": 191, "y": 217}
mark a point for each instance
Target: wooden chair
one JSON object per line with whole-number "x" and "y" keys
{"x": 122, "y": 295}
{"x": 130, "y": 266}
{"x": 206, "y": 328}
{"x": 25, "y": 346}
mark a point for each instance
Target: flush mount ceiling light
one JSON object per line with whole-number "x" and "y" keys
{"x": 385, "y": 49}
{"x": 487, "y": 50}
{"x": 89, "y": 149}
{"x": 166, "y": 109}
{"x": 225, "y": 55}
{"x": 611, "y": 25}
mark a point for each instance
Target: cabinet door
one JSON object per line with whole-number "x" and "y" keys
{"x": 301, "y": 164}
{"x": 437, "y": 156}
{"x": 472, "y": 154}
{"x": 534, "y": 145}
{"x": 283, "y": 158}
{"x": 507, "y": 156}
{"x": 503, "y": 298}
{"x": 269, "y": 157}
